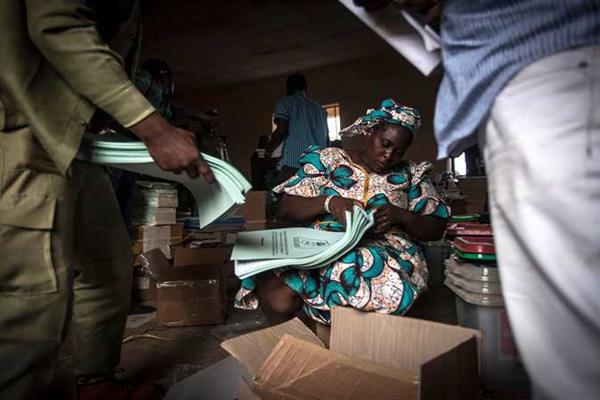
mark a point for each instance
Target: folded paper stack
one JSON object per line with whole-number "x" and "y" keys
{"x": 305, "y": 248}
{"x": 213, "y": 201}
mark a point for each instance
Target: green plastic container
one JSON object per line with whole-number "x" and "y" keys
{"x": 465, "y": 218}
{"x": 475, "y": 256}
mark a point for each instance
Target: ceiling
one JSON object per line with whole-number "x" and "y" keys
{"x": 214, "y": 43}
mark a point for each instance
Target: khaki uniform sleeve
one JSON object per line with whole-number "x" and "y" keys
{"x": 65, "y": 33}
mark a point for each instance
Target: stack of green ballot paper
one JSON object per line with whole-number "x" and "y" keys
{"x": 303, "y": 248}
{"x": 214, "y": 201}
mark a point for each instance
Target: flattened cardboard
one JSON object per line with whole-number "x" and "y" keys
{"x": 317, "y": 373}
{"x": 253, "y": 348}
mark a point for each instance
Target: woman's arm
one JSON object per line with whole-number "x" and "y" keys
{"x": 425, "y": 228}
{"x": 303, "y": 209}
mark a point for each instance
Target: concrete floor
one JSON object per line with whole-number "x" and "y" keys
{"x": 171, "y": 355}
{"x": 178, "y": 352}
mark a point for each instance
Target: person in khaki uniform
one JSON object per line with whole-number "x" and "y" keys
{"x": 64, "y": 254}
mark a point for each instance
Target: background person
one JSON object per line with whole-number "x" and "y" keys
{"x": 301, "y": 122}
{"x": 528, "y": 88}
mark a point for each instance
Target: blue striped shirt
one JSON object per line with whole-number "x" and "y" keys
{"x": 307, "y": 125}
{"x": 487, "y": 42}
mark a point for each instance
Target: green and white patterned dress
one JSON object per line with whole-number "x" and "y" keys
{"x": 385, "y": 273}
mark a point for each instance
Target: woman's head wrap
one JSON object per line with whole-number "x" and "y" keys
{"x": 389, "y": 112}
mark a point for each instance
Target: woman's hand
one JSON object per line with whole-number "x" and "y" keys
{"x": 339, "y": 205}
{"x": 419, "y": 227}
{"x": 387, "y": 216}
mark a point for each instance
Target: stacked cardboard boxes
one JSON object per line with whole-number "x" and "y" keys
{"x": 148, "y": 237}
{"x": 155, "y": 204}
{"x": 155, "y": 227}
{"x": 154, "y": 218}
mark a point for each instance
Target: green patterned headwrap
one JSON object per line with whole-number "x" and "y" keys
{"x": 389, "y": 112}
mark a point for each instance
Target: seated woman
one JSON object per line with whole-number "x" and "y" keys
{"x": 387, "y": 271}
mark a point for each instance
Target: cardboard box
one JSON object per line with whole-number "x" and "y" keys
{"x": 258, "y": 225}
{"x": 154, "y": 216}
{"x": 148, "y": 237}
{"x": 191, "y": 290}
{"x": 254, "y": 209}
{"x": 147, "y": 245}
{"x": 184, "y": 256}
{"x": 144, "y": 289}
{"x": 475, "y": 190}
{"x": 163, "y": 198}
{"x": 372, "y": 356}
{"x": 143, "y": 233}
{"x": 193, "y": 295}
{"x": 176, "y": 233}
{"x": 157, "y": 194}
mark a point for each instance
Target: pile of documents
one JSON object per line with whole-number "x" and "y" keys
{"x": 213, "y": 201}
{"x": 304, "y": 248}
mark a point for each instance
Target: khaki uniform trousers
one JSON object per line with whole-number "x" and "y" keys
{"x": 64, "y": 263}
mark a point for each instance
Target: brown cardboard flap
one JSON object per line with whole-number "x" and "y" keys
{"x": 301, "y": 370}
{"x": 252, "y": 349}
{"x": 453, "y": 375}
{"x": 399, "y": 342}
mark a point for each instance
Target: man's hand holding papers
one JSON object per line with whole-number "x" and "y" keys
{"x": 213, "y": 201}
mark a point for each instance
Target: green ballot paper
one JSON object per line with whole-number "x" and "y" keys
{"x": 303, "y": 248}
{"x": 213, "y": 201}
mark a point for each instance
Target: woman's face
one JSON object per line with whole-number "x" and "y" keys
{"x": 386, "y": 147}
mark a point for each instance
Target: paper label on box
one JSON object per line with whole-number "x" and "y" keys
{"x": 142, "y": 282}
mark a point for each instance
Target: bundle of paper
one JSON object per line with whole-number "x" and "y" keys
{"x": 305, "y": 248}
{"x": 213, "y": 201}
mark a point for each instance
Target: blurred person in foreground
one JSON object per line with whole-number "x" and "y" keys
{"x": 66, "y": 260}
{"x": 522, "y": 78}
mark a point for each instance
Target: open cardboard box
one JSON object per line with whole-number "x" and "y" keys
{"x": 372, "y": 356}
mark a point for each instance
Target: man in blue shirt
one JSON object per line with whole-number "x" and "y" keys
{"x": 522, "y": 78}
{"x": 301, "y": 122}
